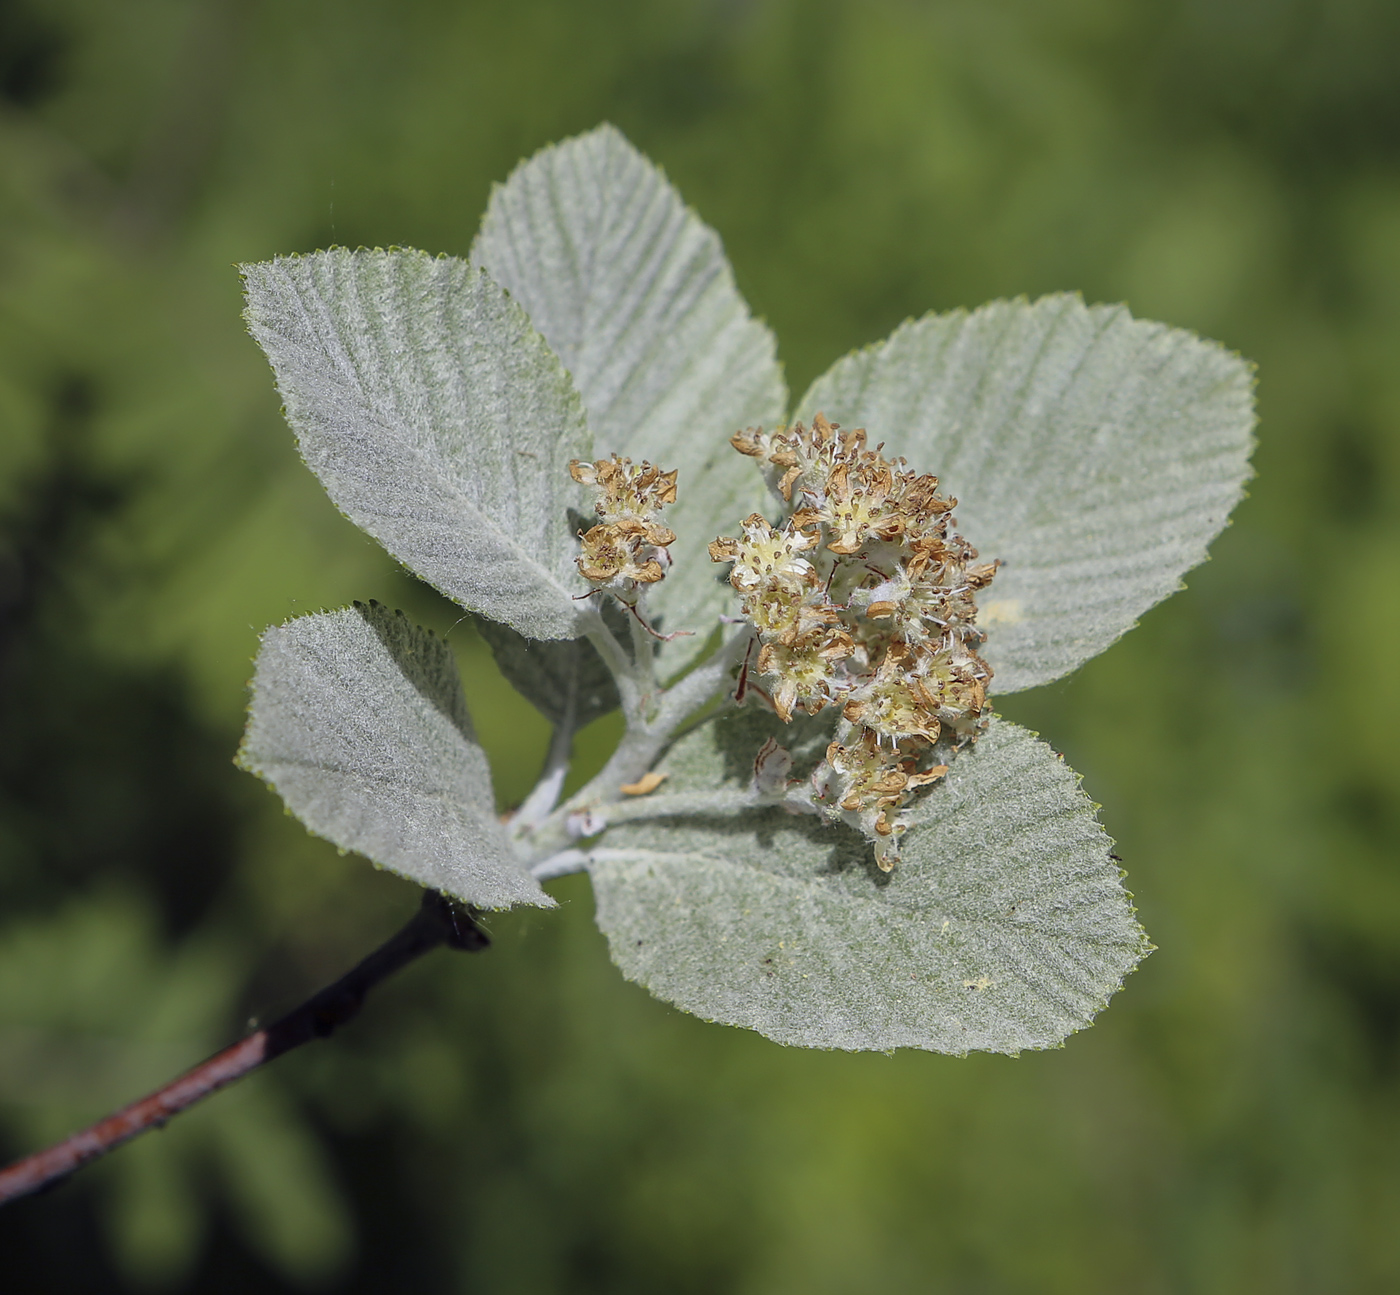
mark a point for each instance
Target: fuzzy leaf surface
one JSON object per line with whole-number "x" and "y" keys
{"x": 437, "y": 419}
{"x": 636, "y": 295}
{"x": 1096, "y": 454}
{"x": 358, "y": 721}
{"x": 1005, "y": 926}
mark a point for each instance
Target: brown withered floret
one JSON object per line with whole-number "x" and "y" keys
{"x": 863, "y": 598}
{"x": 627, "y": 548}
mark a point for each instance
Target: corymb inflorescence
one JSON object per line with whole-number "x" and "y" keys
{"x": 864, "y": 599}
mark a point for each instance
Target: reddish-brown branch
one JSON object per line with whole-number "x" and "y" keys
{"x": 438, "y": 921}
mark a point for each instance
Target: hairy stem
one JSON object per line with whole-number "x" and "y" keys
{"x": 685, "y": 804}
{"x": 644, "y": 739}
{"x": 614, "y": 656}
{"x": 438, "y": 921}
{"x": 643, "y": 662}
{"x": 674, "y": 706}
{"x": 544, "y": 796}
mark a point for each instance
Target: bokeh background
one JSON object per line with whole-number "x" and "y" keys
{"x": 524, "y": 1120}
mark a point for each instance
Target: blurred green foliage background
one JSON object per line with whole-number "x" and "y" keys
{"x": 524, "y": 1120}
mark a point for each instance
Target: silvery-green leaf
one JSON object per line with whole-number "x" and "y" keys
{"x": 1097, "y": 455}
{"x": 565, "y": 680}
{"x": 635, "y": 294}
{"x": 357, "y": 719}
{"x": 1005, "y": 925}
{"x": 437, "y": 419}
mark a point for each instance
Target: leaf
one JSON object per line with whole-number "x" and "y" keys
{"x": 635, "y": 294}
{"x": 1005, "y": 925}
{"x": 437, "y": 419}
{"x": 566, "y": 681}
{"x": 1095, "y": 454}
{"x": 358, "y": 721}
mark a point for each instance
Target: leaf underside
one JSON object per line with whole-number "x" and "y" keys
{"x": 565, "y": 680}
{"x": 1096, "y": 455}
{"x": 635, "y": 294}
{"x": 1004, "y": 927}
{"x": 437, "y": 419}
{"x": 357, "y": 719}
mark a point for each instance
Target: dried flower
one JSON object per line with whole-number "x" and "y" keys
{"x": 864, "y": 598}
{"x": 627, "y": 549}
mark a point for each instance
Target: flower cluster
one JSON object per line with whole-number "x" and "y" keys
{"x": 627, "y": 548}
{"x": 864, "y": 598}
